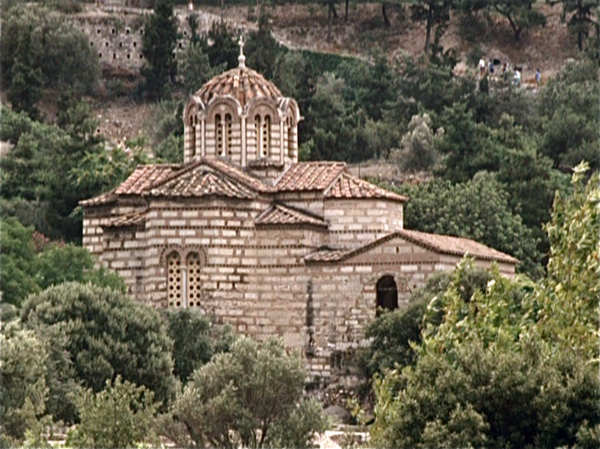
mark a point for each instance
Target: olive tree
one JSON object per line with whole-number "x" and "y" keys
{"x": 248, "y": 397}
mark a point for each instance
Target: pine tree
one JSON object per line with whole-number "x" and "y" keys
{"x": 160, "y": 40}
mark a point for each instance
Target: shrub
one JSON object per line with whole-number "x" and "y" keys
{"x": 249, "y": 397}
{"x": 96, "y": 334}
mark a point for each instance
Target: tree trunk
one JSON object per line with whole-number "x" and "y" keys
{"x": 428, "y": 35}
{"x": 329, "y": 22}
{"x": 386, "y": 20}
{"x": 346, "y": 14}
{"x": 335, "y": 16}
{"x": 514, "y": 26}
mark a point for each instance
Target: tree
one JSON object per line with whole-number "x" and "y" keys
{"x": 16, "y": 261}
{"x": 582, "y": 18}
{"x": 569, "y": 115}
{"x": 194, "y": 67}
{"x": 41, "y": 49}
{"x": 515, "y": 364}
{"x": 520, "y": 15}
{"x": 262, "y": 49}
{"x": 435, "y": 14}
{"x": 195, "y": 341}
{"x": 158, "y": 47}
{"x": 224, "y": 51}
{"x": 97, "y": 334}
{"x": 23, "y": 388}
{"x": 478, "y": 209}
{"x": 118, "y": 416}
{"x": 417, "y": 147}
{"x": 249, "y": 397}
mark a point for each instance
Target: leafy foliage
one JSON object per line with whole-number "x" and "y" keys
{"x": 159, "y": 41}
{"x": 97, "y": 334}
{"x": 477, "y": 209}
{"x": 251, "y": 397}
{"x": 118, "y": 416}
{"x": 41, "y": 49}
{"x": 195, "y": 341}
{"x": 514, "y": 365}
{"x": 30, "y": 263}
{"x": 23, "y": 388}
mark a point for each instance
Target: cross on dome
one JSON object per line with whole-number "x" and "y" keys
{"x": 241, "y": 57}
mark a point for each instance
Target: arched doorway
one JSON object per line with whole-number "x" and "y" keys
{"x": 387, "y": 294}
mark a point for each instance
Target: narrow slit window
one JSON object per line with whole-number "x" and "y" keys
{"x": 266, "y": 136}
{"x": 257, "y": 132}
{"x": 229, "y": 130}
{"x": 219, "y": 133}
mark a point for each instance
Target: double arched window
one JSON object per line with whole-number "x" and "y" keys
{"x": 262, "y": 129}
{"x": 183, "y": 280}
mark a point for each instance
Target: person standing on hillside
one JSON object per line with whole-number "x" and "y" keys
{"x": 538, "y": 77}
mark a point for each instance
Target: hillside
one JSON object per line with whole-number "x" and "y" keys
{"x": 306, "y": 27}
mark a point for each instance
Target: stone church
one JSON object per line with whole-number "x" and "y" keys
{"x": 248, "y": 235}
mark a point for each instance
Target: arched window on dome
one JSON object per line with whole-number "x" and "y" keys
{"x": 289, "y": 137}
{"x": 219, "y": 134}
{"x": 229, "y": 131}
{"x": 192, "y": 133}
{"x": 257, "y": 132}
{"x": 266, "y": 135}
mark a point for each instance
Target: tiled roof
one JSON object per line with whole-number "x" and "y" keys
{"x": 122, "y": 221}
{"x": 327, "y": 255}
{"x": 457, "y": 246}
{"x": 279, "y": 214}
{"x": 104, "y": 198}
{"x": 145, "y": 176}
{"x": 306, "y": 176}
{"x": 444, "y": 244}
{"x": 242, "y": 83}
{"x": 347, "y": 186}
{"x": 202, "y": 181}
{"x": 140, "y": 180}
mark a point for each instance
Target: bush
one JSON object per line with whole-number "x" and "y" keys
{"x": 23, "y": 388}
{"x": 96, "y": 334}
{"x": 194, "y": 340}
{"x": 118, "y": 416}
{"x": 250, "y": 397}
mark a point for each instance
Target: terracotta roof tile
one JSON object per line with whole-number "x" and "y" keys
{"x": 244, "y": 84}
{"x": 347, "y": 186}
{"x": 457, "y": 246}
{"x": 104, "y": 198}
{"x": 306, "y": 176}
{"x": 444, "y": 244}
{"x": 202, "y": 179}
{"x": 122, "y": 221}
{"x": 279, "y": 214}
{"x": 144, "y": 177}
{"x": 327, "y": 255}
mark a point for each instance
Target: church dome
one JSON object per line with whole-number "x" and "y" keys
{"x": 241, "y": 83}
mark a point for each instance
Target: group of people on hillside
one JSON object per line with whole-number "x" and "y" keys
{"x": 490, "y": 69}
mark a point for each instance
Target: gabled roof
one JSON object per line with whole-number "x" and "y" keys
{"x": 441, "y": 244}
{"x": 347, "y": 186}
{"x": 279, "y": 214}
{"x": 142, "y": 178}
{"x": 121, "y": 221}
{"x": 457, "y": 246}
{"x": 309, "y": 176}
{"x": 201, "y": 181}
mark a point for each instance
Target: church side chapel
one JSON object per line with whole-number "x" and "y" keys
{"x": 248, "y": 235}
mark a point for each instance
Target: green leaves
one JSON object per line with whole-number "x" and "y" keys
{"x": 250, "y": 397}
